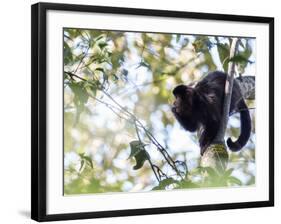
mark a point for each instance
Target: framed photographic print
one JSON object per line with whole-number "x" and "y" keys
{"x": 139, "y": 111}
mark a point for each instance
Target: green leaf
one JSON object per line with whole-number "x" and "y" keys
{"x": 117, "y": 59}
{"x": 234, "y": 180}
{"x": 139, "y": 153}
{"x": 187, "y": 184}
{"x": 165, "y": 183}
{"x": 242, "y": 57}
{"x": 223, "y": 50}
{"x": 102, "y": 44}
{"x": 210, "y": 171}
{"x": 115, "y": 78}
{"x": 99, "y": 37}
{"x": 202, "y": 44}
{"x": 91, "y": 89}
{"x": 168, "y": 181}
{"x": 67, "y": 54}
{"x": 81, "y": 154}
{"x": 80, "y": 97}
{"x": 88, "y": 159}
{"x": 99, "y": 69}
{"x": 80, "y": 92}
{"x": 228, "y": 172}
{"x": 239, "y": 58}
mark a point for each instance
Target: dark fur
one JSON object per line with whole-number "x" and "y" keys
{"x": 200, "y": 107}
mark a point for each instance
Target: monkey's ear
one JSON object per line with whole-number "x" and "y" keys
{"x": 183, "y": 91}
{"x": 179, "y": 90}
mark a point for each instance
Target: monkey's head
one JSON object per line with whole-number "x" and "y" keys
{"x": 184, "y": 107}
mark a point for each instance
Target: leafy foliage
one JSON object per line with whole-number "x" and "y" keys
{"x": 139, "y": 153}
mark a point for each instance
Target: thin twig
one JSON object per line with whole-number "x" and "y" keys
{"x": 161, "y": 149}
{"x": 82, "y": 59}
{"x": 149, "y": 160}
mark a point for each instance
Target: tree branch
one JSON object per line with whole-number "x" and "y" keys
{"x": 228, "y": 93}
{"x": 216, "y": 155}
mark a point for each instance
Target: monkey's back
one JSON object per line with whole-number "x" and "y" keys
{"x": 213, "y": 87}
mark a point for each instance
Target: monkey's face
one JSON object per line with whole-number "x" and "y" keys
{"x": 183, "y": 107}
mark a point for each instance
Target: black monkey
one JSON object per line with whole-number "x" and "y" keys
{"x": 200, "y": 108}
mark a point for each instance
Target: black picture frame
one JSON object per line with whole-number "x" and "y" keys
{"x": 39, "y": 108}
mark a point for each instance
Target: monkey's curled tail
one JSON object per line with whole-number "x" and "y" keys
{"x": 245, "y": 122}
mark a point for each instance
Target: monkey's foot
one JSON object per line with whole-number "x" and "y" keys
{"x": 215, "y": 156}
